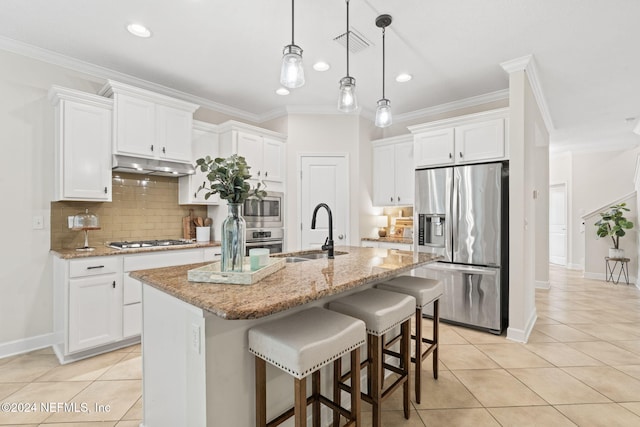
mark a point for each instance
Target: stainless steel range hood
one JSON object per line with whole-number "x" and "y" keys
{"x": 151, "y": 166}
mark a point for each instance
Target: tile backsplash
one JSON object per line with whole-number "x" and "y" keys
{"x": 143, "y": 207}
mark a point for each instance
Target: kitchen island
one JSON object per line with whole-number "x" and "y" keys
{"x": 197, "y": 370}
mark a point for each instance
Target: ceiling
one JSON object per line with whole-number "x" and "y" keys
{"x": 229, "y": 52}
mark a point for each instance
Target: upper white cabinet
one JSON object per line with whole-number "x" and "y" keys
{"x": 466, "y": 139}
{"x": 204, "y": 142}
{"x": 263, "y": 150}
{"x": 83, "y": 145}
{"x": 150, "y": 125}
{"x": 393, "y": 171}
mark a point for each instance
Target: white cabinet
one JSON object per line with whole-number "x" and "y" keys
{"x": 263, "y": 150}
{"x": 467, "y": 139}
{"x": 393, "y": 172}
{"x": 204, "y": 142}
{"x": 132, "y": 299}
{"x": 386, "y": 245}
{"x": 98, "y": 307}
{"x": 89, "y": 293}
{"x": 83, "y": 145}
{"x": 150, "y": 125}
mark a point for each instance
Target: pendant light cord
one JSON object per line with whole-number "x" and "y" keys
{"x": 347, "y": 37}
{"x": 384, "y": 29}
{"x": 292, "y": 21}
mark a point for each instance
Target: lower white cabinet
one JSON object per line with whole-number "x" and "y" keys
{"x": 98, "y": 307}
{"x": 386, "y": 245}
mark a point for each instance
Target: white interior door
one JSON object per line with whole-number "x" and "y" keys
{"x": 324, "y": 179}
{"x": 558, "y": 224}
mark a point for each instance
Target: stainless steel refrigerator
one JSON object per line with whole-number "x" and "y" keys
{"x": 462, "y": 214}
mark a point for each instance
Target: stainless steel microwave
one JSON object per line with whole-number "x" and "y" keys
{"x": 265, "y": 213}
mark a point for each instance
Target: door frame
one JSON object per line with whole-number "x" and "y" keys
{"x": 300, "y": 155}
{"x": 566, "y": 220}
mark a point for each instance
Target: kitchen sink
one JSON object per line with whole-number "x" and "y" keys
{"x": 312, "y": 255}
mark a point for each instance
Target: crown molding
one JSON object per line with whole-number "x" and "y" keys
{"x": 482, "y": 116}
{"x": 527, "y": 64}
{"x": 452, "y": 106}
{"x": 55, "y": 58}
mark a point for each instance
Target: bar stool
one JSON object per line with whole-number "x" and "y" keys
{"x": 381, "y": 311}
{"x": 301, "y": 344}
{"x": 425, "y": 291}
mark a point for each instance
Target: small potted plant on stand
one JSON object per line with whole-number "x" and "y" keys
{"x": 227, "y": 177}
{"x": 613, "y": 224}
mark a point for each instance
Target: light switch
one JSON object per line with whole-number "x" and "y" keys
{"x": 38, "y": 222}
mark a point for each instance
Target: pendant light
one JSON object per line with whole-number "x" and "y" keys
{"x": 292, "y": 73}
{"x": 347, "y": 100}
{"x": 383, "y": 111}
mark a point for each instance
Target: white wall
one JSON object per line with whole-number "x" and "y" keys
{"x": 594, "y": 179}
{"x": 326, "y": 134}
{"x": 26, "y": 132}
{"x": 528, "y": 140}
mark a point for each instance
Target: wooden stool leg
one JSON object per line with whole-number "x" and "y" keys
{"x": 261, "y": 392}
{"x": 337, "y": 374}
{"x": 376, "y": 376}
{"x": 436, "y": 338}
{"x": 300, "y": 405}
{"x": 355, "y": 386}
{"x": 405, "y": 344}
{"x": 418, "y": 354}
{"x": 315, "y": 390}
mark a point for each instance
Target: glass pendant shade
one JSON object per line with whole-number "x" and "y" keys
{"x": 292, "y": 73}
{"x": 383, "y": 113}
{"x": 347, "y": 100}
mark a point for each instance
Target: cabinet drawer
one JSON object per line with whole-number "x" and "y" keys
{"x": 398, "y": 246}
{"x": 132, "y": 320}
{"x": 94, "y": 266}
{"x": 162, "y": 259}
{"x": 132, "y": 290}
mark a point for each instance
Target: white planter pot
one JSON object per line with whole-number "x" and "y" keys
{"x": 616, "y": 253}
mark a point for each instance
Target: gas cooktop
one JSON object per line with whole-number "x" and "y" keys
{"x": 149, "y": 243}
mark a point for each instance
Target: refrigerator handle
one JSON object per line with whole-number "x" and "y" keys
{"x": 448, "y": 236}
{"x": 455, "y": 206}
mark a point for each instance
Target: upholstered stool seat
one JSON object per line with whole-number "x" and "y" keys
{"x": 425, "y": 291}
{"x": 381, "y": 311}
{"x": 301, "y": 344}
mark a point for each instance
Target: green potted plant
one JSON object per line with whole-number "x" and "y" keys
{"x": 613, "y": 224}
{"x": 228, "y": 178}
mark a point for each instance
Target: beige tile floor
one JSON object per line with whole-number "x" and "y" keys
{"x": 580, "y": 367}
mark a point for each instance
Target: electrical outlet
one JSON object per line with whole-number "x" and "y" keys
{"x": 195, "y": 338}
{"x": 38, "y": 222}
{"x": 70, "y": 221}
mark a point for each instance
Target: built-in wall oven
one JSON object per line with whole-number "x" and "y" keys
{"x": 264, "y": 222}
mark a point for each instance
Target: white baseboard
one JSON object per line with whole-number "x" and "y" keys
{"x": 522, "y": 335}
{"x": 543, "y": 284}
{"x": 575, "y": 266}
{"x": 25, "y": 345}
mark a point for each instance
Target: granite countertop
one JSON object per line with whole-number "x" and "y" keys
{"x": 107, "y": 251}
{"x": 389, "y": 240}
{"x": 296, "y": 284}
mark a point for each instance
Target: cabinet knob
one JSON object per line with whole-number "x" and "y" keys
{"x": 460, "y": 154}
{"x": 258, "y": 173}
{"x": 114, "y": 284}
{"x": 391, "y": 199}
{"x": 105, "y": 190}
{"x": 450, "y": 156}
{"x": 398, "y": 198}
{"x": 151, "y": 147}
{"x": 340, "y": 236}
{"x": 266, "y": 174}
{"x": 195, "y": 195}
{"x": 164, "y": 151}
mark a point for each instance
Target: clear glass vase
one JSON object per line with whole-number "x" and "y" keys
{"x": 233, "y": 239}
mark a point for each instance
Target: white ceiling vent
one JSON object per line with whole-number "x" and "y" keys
{"x": 357, "y": 42}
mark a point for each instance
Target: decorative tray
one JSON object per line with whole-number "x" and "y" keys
{"x": 211, "y": 273}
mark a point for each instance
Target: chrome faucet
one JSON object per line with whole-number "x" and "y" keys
{"x": 328, "y": 244}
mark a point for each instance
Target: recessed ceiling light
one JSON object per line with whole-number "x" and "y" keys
{"x": 403, "y": 77}
{"x": 282, "y": 91}
{"x": 139, "y": 30}
{"x": 321, "y": 66}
